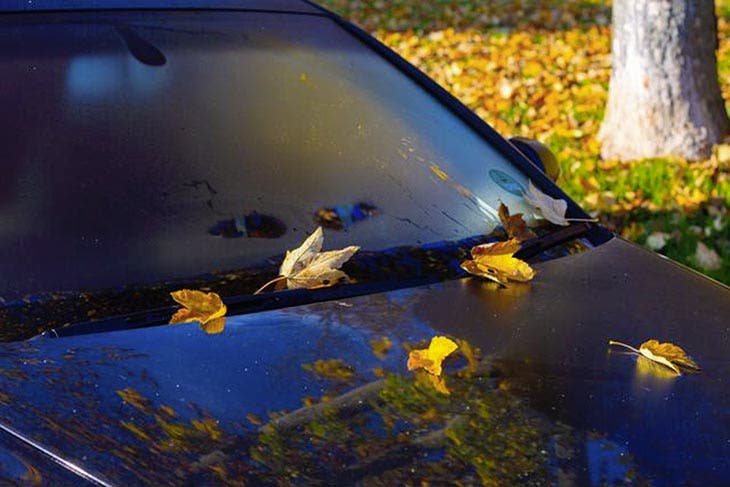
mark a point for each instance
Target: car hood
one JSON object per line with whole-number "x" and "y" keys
{"x": 547, "y": 401}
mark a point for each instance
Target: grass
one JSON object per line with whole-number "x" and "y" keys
{"x": 541, "y": 69}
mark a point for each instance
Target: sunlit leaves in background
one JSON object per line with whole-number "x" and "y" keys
{"x": 540, "y": 69}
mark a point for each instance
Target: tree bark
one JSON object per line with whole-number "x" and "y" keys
{"x": 664, "y": 97}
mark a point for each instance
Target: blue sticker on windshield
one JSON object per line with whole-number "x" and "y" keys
{"x": 506, "y": 182}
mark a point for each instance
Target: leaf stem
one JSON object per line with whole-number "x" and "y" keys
{"x": 280, "y": 278}
{"x": 620, "y": 344}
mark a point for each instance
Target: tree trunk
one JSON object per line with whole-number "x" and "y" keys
{"x": 664, "y": 98}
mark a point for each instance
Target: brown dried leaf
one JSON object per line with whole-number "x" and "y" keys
{"x": 515, "y": 225}
{"x": 495, "y": 261}
{"x": 667, "y": 354}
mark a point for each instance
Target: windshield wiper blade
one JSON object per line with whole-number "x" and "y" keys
{"x": 531, "y": 248}
{"x": 238, "y": 305}
{"x": 374, "y": 265}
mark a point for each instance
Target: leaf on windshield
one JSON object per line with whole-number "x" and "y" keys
{"x": 495, "y": 261}
{"x": 431, "y": 358}
{"x": 667, "y": 354}
{"x": 553, "y": 210}
{"x": 205, "y": 308}
{"x": 515, "y": 225}
{"x": 307, "y": 267}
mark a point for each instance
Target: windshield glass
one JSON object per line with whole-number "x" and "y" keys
{"x": 119, "y": 172}
{"x": 147, "y": 152}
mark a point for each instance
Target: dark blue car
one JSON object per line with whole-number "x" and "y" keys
{"x": 152, "y": 146}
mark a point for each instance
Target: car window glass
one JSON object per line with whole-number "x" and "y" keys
{"x": 255, "y": 129}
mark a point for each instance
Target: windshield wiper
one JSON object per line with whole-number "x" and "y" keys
{"x": 531, "y": 248}
{"x": 238, "y": 305}
{"x": 374, "y": 272}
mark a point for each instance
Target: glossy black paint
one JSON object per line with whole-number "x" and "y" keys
{"x": 549, "y": 339}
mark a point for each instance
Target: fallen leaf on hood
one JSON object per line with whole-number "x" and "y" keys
{"x": 667, "y": 354}
{"x": 307, "y": 267}
{"x": 649, "y": 368}
{"x": 431, "y": 358}
{"x": 515, "y": 225}
{"x": 707, "y": 258}
{"x": 495, "y": 261}
{"x": 205, "y": 308}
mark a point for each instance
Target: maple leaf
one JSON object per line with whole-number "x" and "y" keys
{"x": 205, "y": 308}
{"x": 431, "y": 358}
{"x": 667, "y": 354}
{"x": 515, "y": 225}
{"x": 495, "y": 261}
{"x": 552, "y": 209}
{"x": 307, "y": 267}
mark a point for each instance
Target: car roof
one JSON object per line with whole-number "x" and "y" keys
{"x": 298, "y": 6}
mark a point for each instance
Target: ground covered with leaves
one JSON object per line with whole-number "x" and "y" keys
{"x": 541, "y": 70}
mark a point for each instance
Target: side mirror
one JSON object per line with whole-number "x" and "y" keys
{"x": 539, "y": 154}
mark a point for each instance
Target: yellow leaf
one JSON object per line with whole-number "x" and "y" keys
{"x": 215, "y": 326}
{"x": 439, "y": 384}
{"x": 646, "y": 368}
{"x": 432, "y": 357}
{"x": 206, "y": 308}
{"x": 515, "y": 225}
{"x": 667, "y": 354}
{"x": 495, "y": 261}
{"x": 307, "y": 267}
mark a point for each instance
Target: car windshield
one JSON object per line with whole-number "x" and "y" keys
{"x": 147, "y": 147}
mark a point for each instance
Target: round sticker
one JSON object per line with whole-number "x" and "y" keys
{"x": 506, "y": 182}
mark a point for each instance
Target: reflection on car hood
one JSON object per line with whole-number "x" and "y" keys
{"x": 546, "y": 403}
